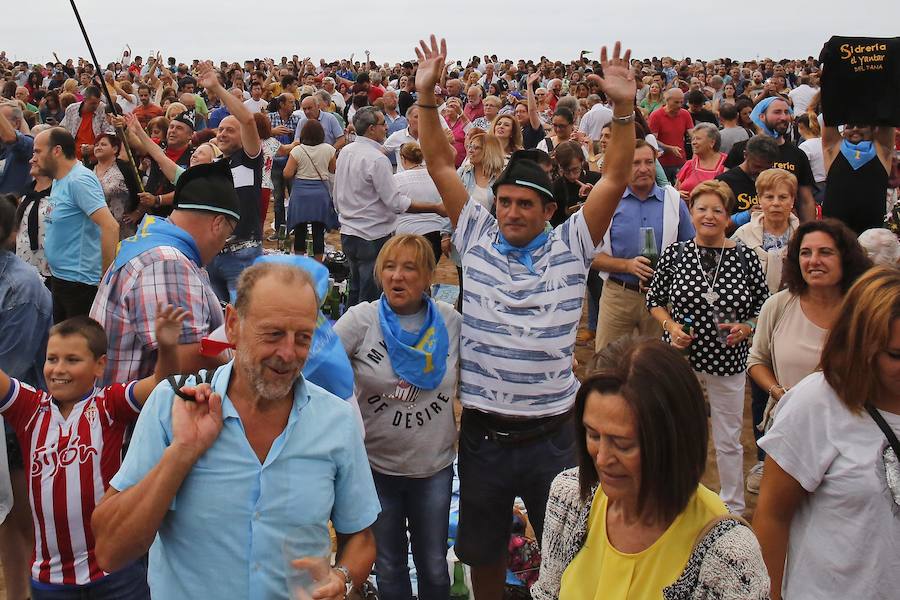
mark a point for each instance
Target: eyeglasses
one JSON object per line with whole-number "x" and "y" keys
{"x": 473, "y": 147}
{"x": 572, "y": 170}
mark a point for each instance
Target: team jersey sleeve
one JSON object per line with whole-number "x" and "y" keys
{"x": 20, "y": 403}
{"x": 118, "y": 403}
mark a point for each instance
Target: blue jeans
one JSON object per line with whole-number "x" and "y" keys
{"x": 362, "y": 254}
{"x": 280, "y": 191}
{"x": 129, "y": 583}
{"x": 225, "y": 269}
{"x": 423, "y": 504}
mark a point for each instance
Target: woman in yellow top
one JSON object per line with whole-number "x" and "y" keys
{"x": 633, "y": 521}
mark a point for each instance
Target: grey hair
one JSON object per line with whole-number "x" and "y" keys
{"x": 17, "y": 113}
{"x": 569, "y": 102}
{"x": 712, "y": 131}
{"x": 593, "y": 99}
{"x": 324, "y": 97}
{"x": 364, "y": 118}
{"x": 328, "y": 80}
{"x": 881, "y": 245}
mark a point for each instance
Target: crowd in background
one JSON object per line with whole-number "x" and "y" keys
{"x": 729, "y": 237}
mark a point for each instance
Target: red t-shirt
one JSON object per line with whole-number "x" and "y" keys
{"x": 670, "y": 130}
{"x": 85, "y": 133}
{"x": 145, "y": 114}
{"x": 375, "y": 92}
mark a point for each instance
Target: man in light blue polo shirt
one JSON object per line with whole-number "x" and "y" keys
{"x": 217, "y": 484}
{"x": 81, "y": 233}
{"x": 311, "y": 108}
{"x": 623, "y": 307}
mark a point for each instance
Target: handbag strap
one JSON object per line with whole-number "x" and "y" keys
{"x": 312, "y": 162}
{"x": 885, "y": 429}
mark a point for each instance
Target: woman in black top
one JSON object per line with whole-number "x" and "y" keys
{"x": 857, "y": 164}
{"x": 573, "y": 182}
{"x": 718, "y": 286}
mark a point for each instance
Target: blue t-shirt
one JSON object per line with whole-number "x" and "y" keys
{"x": 72, "y": 240}
{"x": 222, "y": 536}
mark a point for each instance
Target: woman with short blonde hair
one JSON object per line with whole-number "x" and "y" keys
{"x": 405, "y": 389}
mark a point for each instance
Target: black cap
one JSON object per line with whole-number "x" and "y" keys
{"x": 208, "y": 187}
{"x": 186, "y": 117}
{"x": 526, "y": 173}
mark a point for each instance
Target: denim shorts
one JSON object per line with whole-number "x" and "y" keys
{"x": 493, "y": 474}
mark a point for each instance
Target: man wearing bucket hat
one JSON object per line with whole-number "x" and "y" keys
{"x": 163, "y": 265}
{"x": 774, "y": 116}
{"x": 525, "y": 285}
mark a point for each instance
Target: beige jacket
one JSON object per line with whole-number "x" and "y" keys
{"x": 752, "y": 236}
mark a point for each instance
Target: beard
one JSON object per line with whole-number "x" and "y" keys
{"x": 268, "y": 391}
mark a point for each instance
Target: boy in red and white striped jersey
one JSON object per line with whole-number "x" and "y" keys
{"x": 72, "y": 438}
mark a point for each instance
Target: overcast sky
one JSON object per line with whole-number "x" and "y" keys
{"x": 238, "y": 29}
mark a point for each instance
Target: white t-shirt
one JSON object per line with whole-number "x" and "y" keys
{"x": 519, "y": 331}
{"x": 801, "y": 96}
{"x": 845, "y": 537}
{"x": 417, "y": 184}
{"x": 257, "y": 106}
{"x": 813, "y": 150}
{"x": 410, "y": 432}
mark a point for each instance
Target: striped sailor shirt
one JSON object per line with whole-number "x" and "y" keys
{"x": 518, "y": 331}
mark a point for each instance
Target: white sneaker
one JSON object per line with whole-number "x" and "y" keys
{"x": 754, "y": 477}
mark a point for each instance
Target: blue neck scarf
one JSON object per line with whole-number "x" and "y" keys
{"x": 523, "y": 254}
{"x": 152, "y": 233}
{"x": 419, "y": 358}
{"x": 759, "y": 110}
{"x": 858, "y": 154}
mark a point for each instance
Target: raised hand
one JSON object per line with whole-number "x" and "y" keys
{"x": 431, "y": 64}
{"x": 533, "y": 78}
{"x": 207, "y": 75}
{"x": 196, "y": 424}
{"x": 168, "y": 324}
{"x": 618, "y": 78}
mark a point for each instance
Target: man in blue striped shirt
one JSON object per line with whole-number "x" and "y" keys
{"x": 524, "y": 289}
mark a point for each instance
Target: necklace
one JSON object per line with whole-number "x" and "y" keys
{"x": 710, "y": 295}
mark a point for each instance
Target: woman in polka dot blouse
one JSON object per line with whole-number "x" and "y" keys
{"x": 719, "y": 286}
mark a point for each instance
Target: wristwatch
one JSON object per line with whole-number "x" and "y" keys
{"x": 348, "y": 580}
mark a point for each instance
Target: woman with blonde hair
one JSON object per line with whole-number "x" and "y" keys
{"x": 412, "y": 382}
{"x": 771, "y": 228}
{"x": 506, "y": 129}
{"x": 70, "y": 86}
{"x": 827, "y": 518}
{"x": 484, "y": 162}
{"x": 174, "y": 109}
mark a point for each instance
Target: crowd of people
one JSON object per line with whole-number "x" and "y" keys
{"x": 185, "y": 405}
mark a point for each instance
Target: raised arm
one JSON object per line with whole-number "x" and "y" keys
{"x": 533, "y": 117}
{"x": 618, "y": 85}
{"x": 166, "y": 165}
{"x": 439, "y": 154}
{"x": 209, "y": 79}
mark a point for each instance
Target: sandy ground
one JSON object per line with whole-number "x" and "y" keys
{"x": 446, "y": 273}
